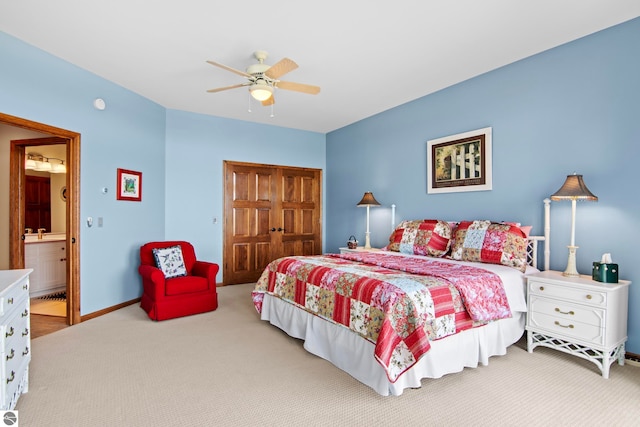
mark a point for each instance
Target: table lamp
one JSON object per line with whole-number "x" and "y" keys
{"x": 573, "y": 189}
{"x": 368, "y": 200}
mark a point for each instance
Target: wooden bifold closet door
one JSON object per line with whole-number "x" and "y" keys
{"x": 269, "y": 212}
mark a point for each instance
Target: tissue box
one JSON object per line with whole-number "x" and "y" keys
{"x": 606, "y": 273}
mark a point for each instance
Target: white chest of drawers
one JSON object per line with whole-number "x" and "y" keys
{"x": 15, "y": 336}
{"x": 578, "y": 316}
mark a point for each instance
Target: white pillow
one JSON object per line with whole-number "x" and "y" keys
{"x": 170, "y": 261}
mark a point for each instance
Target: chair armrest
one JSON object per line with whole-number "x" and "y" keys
{"x": 205, "y": 269}
{"x": 153, "y": 280}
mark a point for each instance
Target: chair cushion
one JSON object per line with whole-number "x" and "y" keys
{"x": 185, "y": 285}
{"x": 170, "y": 261}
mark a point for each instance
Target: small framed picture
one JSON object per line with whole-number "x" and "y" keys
{"x": 460, "y": 162}
{"x": 129, "y": 185}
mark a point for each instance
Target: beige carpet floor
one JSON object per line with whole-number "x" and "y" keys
{"x": 228, "y": 368}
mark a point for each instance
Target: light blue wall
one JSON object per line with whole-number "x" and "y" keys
{"x": 573, "y": 108}
{"x": 197, "y": 145}
{"x": 128, "y": 134}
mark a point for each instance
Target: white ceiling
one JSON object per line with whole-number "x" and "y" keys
{"x": 366, "y": 55}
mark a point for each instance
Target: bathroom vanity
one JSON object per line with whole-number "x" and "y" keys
{"x": 48, "y": 259}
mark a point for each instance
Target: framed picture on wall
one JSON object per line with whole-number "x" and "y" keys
{"x": 460, "y": 162}
{"x": 129, "y": 185}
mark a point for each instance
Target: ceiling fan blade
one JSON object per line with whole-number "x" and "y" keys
{"x": 220, "y": 89}
{"x": 298, "y": 87}
{"x": 270, "y": 101}
{"x": 233, "y": 70}
{"x": 281, "y": 68}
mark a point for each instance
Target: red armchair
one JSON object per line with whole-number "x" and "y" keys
{"x": 164, "y": 298}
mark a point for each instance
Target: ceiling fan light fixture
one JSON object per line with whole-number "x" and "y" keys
{"x": 261, "y": 92}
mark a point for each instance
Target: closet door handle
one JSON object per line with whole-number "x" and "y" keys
{"x": 273, "y": 229}
{"x": 280, "y": 229}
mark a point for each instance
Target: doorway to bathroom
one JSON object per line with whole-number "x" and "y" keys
{"x": 17, "y": 188}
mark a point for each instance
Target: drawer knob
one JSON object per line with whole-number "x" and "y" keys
{"x": 25, "y": 287}
{"x": 25, "y": 313}
{"x": 26, "y": 332}
{"x": 10, "y": 333}
{"x": 570, "y": 313}
{"x": 589, "y": 296}
{"x": 10, "y": 355}
{"x": 26, "y": 351}
{"x": 563, "y": 326}
{"x": 542, "y": 288}
{"x": 10, "y": 301}
{"x": 12, "y": 377}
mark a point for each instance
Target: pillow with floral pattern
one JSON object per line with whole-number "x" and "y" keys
{"x": 429, "y": 237}
{"x": 170, "y": 261}
{"x": 490, "y": 242}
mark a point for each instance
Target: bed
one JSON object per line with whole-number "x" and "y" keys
{"x": 436, "y": 300}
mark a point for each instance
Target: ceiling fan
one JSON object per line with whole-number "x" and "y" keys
{"x": 262, "y": 79}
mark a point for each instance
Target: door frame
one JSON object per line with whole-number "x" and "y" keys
{"x": 16, "y": 205}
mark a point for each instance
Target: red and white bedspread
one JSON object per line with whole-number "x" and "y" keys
{"x": 398, "y": 303}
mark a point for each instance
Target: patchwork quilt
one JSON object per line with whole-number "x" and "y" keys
{"x": 398, "y": 303}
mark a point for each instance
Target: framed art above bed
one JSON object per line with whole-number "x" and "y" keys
{"x": 460, "y": 162}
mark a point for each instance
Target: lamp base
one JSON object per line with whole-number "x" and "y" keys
{"x": 367, "y": 241}
{"x": 571, "y": 263}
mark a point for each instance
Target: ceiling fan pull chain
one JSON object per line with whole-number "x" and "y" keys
{"x": 272, "y": 110}
{"x": 249, "y": 102}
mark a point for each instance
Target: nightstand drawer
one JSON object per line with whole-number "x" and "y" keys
{"x": 567, "y": 328}
{"x": 567, "y": 312}
{"x": 592, "y": 297}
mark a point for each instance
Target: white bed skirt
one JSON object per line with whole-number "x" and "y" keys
{"x": 354, "y": 355}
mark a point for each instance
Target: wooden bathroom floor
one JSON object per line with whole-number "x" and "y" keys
{"x": 49, "y": 307}
{"x": 43, "y": 325}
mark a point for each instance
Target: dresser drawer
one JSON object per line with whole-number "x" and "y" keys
{"x": 566, "y": 328}
{"x": 566, "y": 311}
{"x": 16, "y": 332}
{"x": 15, "y": 336}
{"x": 596, "y": 298}
{"x": 14, "y": 297}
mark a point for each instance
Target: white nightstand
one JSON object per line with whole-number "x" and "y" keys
{"x": 358, "y": 249}
{"x": 578, "y": 316}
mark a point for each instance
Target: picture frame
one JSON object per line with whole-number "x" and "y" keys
{"x": 449, "y": 169}
{"x": 129, "y": 185}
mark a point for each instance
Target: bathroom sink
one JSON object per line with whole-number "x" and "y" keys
{"x": 32, "y": 238}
